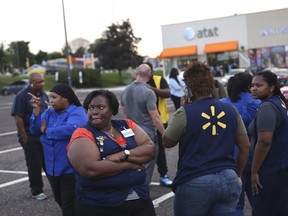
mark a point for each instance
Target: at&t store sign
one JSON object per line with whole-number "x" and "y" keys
{"x": 190, "y": 33}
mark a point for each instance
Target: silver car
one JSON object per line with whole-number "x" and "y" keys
{"x": 231, "y": 73}
{"x": 14, "y": 87}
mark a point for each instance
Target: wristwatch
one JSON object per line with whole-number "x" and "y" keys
{"x": 127, "y": 154}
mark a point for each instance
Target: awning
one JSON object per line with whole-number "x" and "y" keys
{"x": 178, "y": 51}
{"x": 221, "y": 47}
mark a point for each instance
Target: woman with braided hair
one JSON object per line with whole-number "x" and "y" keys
{"x": 56, "y": 126}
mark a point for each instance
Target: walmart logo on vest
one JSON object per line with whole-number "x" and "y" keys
{"x": 213, "y": 115}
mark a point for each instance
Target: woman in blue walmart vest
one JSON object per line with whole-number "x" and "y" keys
{"x": 238, "y": 88}
{"x": 208, "y": 180}
{"x": 269, "y": 131}
{"x": 56, "y": 126}
{"x": 108, "y": 157}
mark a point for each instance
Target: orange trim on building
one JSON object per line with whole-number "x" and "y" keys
{"x": 221, "y": 47}
{"x": 178, "y": 51}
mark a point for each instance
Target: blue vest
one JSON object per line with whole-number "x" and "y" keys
{"x": 277, "y": 157}
{"x": 207, "y": 145}
{"x": 113, "y": 190}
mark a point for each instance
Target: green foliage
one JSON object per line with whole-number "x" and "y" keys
{"x": 92, "y": 79}
{"x": 117, "y": 49}
{"x": 40, "y": 57}
{"x": 49, "y": 80}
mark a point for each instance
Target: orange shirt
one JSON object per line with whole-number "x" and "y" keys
{"x": 83, "y": 132}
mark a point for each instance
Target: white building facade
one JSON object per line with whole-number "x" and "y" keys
{"x": 256, "y": 40}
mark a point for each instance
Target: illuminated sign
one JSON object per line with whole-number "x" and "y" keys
{"x": 190, "y": 33}
{"x": 273, "y": 31}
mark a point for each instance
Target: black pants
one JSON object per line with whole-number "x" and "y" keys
{"x": 34, "y": 157}
{"x": 63, "y": 188}
{"x": 176, "y": 100}
{"x": 161, "y": 158}
{"x": 272, "y": 198}
{"x": 137, "y": 207}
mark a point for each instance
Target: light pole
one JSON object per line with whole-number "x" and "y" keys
{"x": 67, "y": 48}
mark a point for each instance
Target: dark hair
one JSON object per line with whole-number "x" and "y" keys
{"x": 110, "y": 96}
{"x": 150, "y": 65}
{"x": 198, "y": 77}
{"x": 67, "y": 92}
{"x": 238, "y": 83}
{"x": 173, "y": 74}
{"x": 271, "y": 79}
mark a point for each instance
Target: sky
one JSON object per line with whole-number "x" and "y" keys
{"x": 40, "y": 22}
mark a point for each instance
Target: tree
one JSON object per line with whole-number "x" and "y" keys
{"x": 117, "y": 49}
{"x": 54, "y": 55}
{"x": 3, "y": 59}
{"x": 78, "y": 43}
{"x": 80, "y": 52}
{"x": 18, "y": 52}
{"x": 41, "y": 56}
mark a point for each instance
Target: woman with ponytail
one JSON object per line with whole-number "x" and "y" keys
{"x": 239, "y": 96}
{"x": 269, "y": 131}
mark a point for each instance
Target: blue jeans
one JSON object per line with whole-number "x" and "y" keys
{"x": 246, "y": 188}
{"x": 272, "y": 199}
{"x": 213, "y": 194}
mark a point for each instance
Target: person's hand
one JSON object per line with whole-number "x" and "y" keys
{"x": 117, "y": 157}
{"x": 25, "y": 138}
{"x": 255, "y": 183}
{"x": 240, "y": 180}
{"x": 35, "y": 101}
{"x": 43, "y": 126}
{"x": 185, "y": 100}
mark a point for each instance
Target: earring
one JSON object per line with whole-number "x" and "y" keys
{"x": 32, "y": 85}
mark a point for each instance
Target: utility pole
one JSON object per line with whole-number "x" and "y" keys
{"x": 67, "y": 49}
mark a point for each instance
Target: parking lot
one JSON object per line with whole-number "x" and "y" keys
{"x": 15, "y": 196}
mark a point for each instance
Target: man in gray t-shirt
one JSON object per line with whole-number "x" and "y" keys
{"x": 138, "y": 103}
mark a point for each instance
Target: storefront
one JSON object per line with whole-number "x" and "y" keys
{"x": 249, "y": 40}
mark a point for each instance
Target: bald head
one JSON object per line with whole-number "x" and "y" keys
{"x": 34, "y": 76}
{"x": 143, "y": 71}
{"x": 36, "y": 81}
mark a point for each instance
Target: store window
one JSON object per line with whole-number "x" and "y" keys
{"x": 268, "y": 57}
{"x": 222, "y": 62}
{"x": 184, "y": 61}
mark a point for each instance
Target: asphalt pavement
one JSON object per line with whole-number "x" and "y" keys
{"x": 15, "y": 196}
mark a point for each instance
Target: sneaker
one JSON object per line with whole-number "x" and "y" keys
{"x": 41, "y": 196}
{"x": 165, "y": 181}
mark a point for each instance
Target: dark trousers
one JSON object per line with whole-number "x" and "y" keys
{"x": 137, "y": 207}
{"x": 246, "y": 189}
{"x": 63, "y": 188}
{"x": 176, "y": 100}
{"x": 34, "y": 157}
{"x": 272, "y": 199}
{"x": 161, "y": 158}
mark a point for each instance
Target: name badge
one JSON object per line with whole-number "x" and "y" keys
{"x": 127, "y": 133}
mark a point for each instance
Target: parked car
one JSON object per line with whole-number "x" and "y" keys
{"x": 14, "y": 87}
{"x": 231, "y": 73}
{"x": 282, "y": 74}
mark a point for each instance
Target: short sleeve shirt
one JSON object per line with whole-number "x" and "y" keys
{"x": 178, "y": 123}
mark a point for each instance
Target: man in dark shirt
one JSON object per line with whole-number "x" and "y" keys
{"x": 21, "y": 111}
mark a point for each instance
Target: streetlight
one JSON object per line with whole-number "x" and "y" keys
{"x": 67, "y": 49}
